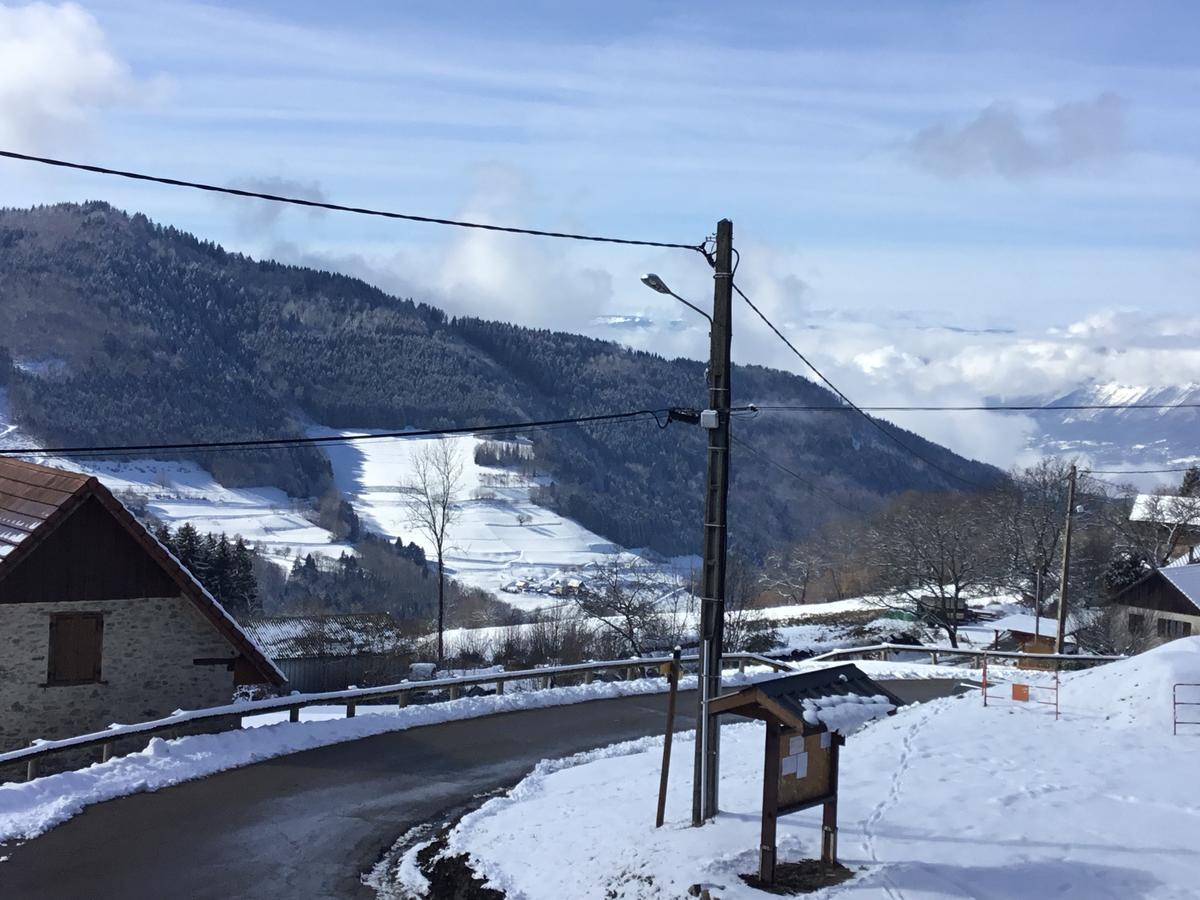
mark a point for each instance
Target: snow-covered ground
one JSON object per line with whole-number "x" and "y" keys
{"x": 500, "y": 535}
{"x": 948, "y": 799}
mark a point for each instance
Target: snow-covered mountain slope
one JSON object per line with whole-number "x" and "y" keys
{"x": 1123, "y": 438}
{"x": 499, "y": 534}
{"x": 176, "y": 492}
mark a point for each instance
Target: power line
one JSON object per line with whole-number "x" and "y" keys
{"x": 997, "y": 408}
{"x": 1137, "y": 471}
{"x": 833, "y": 387}
{"x": 283, "y": 443}
{"x": 337, "y": 207}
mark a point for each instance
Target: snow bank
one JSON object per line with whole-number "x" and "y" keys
{"x": 948, "y": 799}
{"x": 30, "y": 808}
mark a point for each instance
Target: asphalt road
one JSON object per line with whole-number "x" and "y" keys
{"x": 309, "y": 824}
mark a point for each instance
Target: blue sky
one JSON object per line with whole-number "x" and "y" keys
{"x": 1025, "y": 171}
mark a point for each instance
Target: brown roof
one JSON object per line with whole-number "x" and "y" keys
{"x": 29, "y": 495}
{"x": 35, "y": 500}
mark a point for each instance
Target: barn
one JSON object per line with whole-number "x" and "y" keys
{"x": 1163, "y": 605}
{"x": 333, "y": 652}
{"x": 101, "y": 624}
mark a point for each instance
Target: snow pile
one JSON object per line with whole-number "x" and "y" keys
{"x": 27, "y": 809}
{"x": 947, "y": 799}
{"x": 847, "y": 713}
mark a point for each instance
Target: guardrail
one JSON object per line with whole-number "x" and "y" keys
{"x": 883, "y": 651}
{"x": 401, "y": 692}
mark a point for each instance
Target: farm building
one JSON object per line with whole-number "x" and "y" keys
{"x": 332, "y": 652}
{"x": 101, "y": 624}
{"x": 1163, "y": 605}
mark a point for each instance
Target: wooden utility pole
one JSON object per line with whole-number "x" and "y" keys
{"x": 1066, "y": 563}
{"x": 712, "y": 604}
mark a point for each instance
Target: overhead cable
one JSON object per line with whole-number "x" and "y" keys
{"x": 338, "y": 207}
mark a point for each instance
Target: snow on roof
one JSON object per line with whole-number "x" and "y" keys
{"x": 1025, "y": 624}
{"x": 1186, "y": 579}
{"x": 1165, "y": 508}
{"x": 847, "y": 712}
{"x": 307, "y": 637}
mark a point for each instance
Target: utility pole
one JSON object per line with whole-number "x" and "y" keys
{"x": 712, "y": 603}
{"x": 1066, "y": 565}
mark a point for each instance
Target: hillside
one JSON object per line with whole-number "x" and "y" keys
{"x": 124, "y": 331}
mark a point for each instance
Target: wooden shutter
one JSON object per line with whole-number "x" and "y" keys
{"x": 76, "y": 644}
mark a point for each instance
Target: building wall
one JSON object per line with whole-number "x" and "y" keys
{"x": 314, "y": 674}
{"x": 146, "y": 668}
{"x": 1148, "y": 635}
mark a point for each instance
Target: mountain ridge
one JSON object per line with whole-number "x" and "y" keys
{"x": 163, "y": 336}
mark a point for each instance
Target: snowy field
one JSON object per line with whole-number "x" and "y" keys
{"x": 491, "y": 544}
{"x": 947, "y": 799}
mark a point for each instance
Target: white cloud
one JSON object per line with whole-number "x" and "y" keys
{"x": 999, "y": 141}
{"x": 57, "y": 72}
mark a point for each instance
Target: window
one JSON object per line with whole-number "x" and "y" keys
{"x": 75, "y": 643}
{"x": 1173, "y": 628}
{"x": 1137, "y": 623}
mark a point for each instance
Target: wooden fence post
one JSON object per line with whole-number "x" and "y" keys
{"x": 293, "y": 714}
{"x": 350, "y": 710}
{"x": 402, "y": 699}
{"x": 31, "y": 768}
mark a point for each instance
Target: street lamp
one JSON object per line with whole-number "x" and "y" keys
{"x": 655, "y": 283}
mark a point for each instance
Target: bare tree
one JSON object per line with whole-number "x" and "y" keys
{"x": 433, "y": 510}
{"x": 1029, "y": 512}
{"x": 634, "y": 602}
{"x": 932, "y": 551}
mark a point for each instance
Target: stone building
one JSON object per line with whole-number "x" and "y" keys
{"x": 99, "y": 623}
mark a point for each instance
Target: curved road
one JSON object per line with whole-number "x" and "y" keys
{"x": 309, "y": 824}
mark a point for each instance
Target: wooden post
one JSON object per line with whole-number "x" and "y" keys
{"x": 455, "y": 690}
{"x": 829, "y": 813}
{"x": 293, "y": 714}
{"x": 350, "y": 710}
{"x": 106, "y": 752}
{"x": 588, "y": 676}
{"x": 673, "y": 681}
{"x": 741, "y": 665}
{"x": 499, "y": 687}
{"x": 402, "y": 699}
{"x": 31, "y": 768}
{"x": 770, "y": 808}
{"x": 933, "y": 657}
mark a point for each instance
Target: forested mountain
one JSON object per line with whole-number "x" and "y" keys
{"x": 124, "y": 331}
